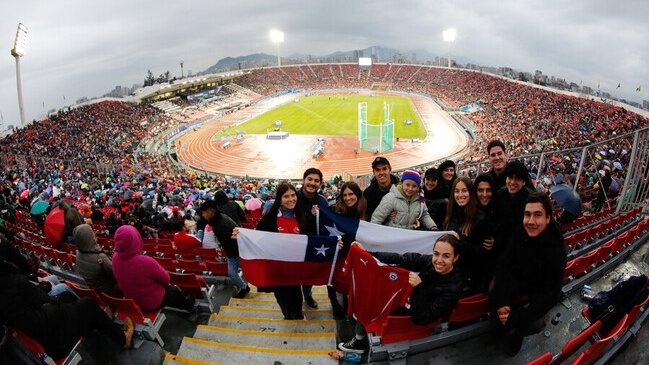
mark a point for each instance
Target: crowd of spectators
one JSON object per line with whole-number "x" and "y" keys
{"x": 91, "y": 156}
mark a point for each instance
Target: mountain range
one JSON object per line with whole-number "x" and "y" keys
{"x": 384, "y": 54}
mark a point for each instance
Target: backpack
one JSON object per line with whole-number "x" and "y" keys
{"x": 610, "y": 306}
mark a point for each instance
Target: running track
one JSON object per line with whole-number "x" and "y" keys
{"x": 258, "y": 157}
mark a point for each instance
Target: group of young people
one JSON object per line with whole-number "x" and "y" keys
{"x": 501, "y": 241}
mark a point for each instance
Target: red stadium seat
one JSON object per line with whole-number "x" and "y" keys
{"x": 148, "y": 247}
{"x": 208, "y": 253}
{"x": 66, "y": 260}
{"x": 470, "y": 308}
{"x": 38, "y": 352}
{"x": 635, "y": 233}
{"x": 401, "y": 328}
{"x": 571, "y": 241}
{"x": 634, "y": 313}
{"x": 576, "y": 342}
{"x": 217, "y": 268}
{"x": 567, "y": 274}
{"x": 605, "y": 250}
{"x": 87, "y": 293}
{"x": 166, "y": 251}
{"x": 191, "y": 266}
{"x": 595, "y": 350}
{"x": 195, "y": 286}
{"x": 50, "y": 255}
{"x": 148, "y": 323}
{"x": 583, "y": 263}
{"x": 622, "y": 241}
{"x": 541, "y": 360}
{"x": 167, "y": 263}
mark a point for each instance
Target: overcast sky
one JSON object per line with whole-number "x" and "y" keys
{"x": 85, "y": 48}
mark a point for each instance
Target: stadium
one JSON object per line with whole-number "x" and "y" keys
{"x": 157, "y": 157}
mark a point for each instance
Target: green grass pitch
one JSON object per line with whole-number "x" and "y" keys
{"x": 335, "y": 115}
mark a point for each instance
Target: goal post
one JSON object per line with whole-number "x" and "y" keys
{"x": 375, "y": 137}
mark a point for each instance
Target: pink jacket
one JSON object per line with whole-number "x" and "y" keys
{"x": 140, "y": 277}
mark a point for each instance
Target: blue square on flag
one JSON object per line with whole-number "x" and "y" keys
{"x": 320, "y": 248}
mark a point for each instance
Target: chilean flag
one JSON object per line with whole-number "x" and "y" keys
{"x": 376, "y": 237}
{"x": 270, "y": 259}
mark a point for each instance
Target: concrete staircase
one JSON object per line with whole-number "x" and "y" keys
{"x": 253, "y": 331}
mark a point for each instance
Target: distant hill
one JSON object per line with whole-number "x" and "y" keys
{"x": 228, "y": 62}
{"x": 384, "y": 54}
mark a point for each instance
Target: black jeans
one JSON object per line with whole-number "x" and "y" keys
{"x": 290, "y": 299}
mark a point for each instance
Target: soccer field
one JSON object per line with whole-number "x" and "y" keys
{"x": 335, "y": 114}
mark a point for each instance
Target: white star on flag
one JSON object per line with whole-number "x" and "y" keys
{"x": 333, "y": 231}
{"x": 322, "y": 250}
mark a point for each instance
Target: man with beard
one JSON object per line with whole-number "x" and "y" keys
{"x": 310, "y": 201}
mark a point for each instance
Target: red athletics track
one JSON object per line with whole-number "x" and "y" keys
{"x": 287, "y": 158}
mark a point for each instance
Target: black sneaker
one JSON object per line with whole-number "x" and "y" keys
{"x": 354, "y": 345}
{"x": 513, "y": 344}
{"x": 311, "y": 302}
{"x": 242, "y": 293}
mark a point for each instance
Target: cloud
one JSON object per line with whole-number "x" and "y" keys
{"x": 79, "y": 48}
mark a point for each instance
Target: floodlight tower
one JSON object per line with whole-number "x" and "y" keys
{"x": 277, "y": 37}
{"x": 20, "y": 46}
{"x": 449, "y": 36}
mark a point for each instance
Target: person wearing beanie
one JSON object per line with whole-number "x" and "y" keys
{"x": 406, "y": 201}
{"x": 435, "y": 199}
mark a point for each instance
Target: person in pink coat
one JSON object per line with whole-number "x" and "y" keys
{"x": 141, "y": 278}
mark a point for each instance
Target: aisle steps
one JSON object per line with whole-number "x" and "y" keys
{"x": 253, "y": 331}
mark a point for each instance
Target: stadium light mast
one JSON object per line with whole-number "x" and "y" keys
{"x": 449, "y": 35}
{"x": 20, "y": 46}
{"x": 277, "y": 37}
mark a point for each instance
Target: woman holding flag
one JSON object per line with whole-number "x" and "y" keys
{"x": 285, "y": 217}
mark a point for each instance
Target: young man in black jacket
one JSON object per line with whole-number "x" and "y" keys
{"x": 510, "y": 203}
{"x": 532, "y": 268}
{"x": 379, "y": 185}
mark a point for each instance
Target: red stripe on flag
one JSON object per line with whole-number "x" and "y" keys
{"x": 261, "y": 272}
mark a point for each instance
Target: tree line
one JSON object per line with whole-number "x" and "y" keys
{"x": 149, "y": 79}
